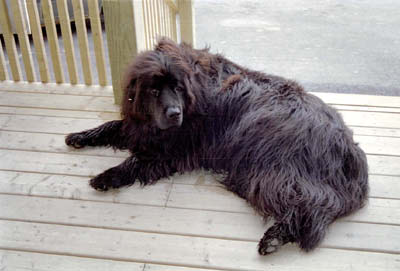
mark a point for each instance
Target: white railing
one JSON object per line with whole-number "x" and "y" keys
{"x": 131, "y": 26}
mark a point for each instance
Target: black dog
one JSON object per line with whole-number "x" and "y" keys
{"x": 286, "y": 152}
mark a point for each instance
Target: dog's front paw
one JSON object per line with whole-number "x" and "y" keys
{"x": 106, "y": 180}
{"x": 76, "y": 140}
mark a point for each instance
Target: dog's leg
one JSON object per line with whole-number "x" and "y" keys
{"x": 107, "y": 134}
{"x": 275, "y": 237}
{"x": 132, "y": 169}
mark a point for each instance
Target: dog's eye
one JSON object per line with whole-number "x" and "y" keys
{"x": 155, "y": 92}
{"x": 178, "y": 89}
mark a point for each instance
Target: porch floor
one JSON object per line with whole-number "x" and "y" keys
{"x": 50, "y": 219}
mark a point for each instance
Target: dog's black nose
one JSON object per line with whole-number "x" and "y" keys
{"x": 173, "y": 112}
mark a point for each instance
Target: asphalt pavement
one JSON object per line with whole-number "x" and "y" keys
{"x": 348, "y": 46}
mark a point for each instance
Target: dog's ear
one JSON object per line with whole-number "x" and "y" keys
{"x": 132, "y": 104}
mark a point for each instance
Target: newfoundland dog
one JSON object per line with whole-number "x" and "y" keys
{"x": 283, "y": 150}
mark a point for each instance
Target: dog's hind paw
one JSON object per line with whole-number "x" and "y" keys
{"x": 275, "y": 237}
{"x": 75, "y": 140}
{"x": 268, "y": 246}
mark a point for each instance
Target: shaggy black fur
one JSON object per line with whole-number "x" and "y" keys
{"x": 283, "y": 150}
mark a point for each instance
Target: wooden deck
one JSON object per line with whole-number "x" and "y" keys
{"x": 50, "y": 219}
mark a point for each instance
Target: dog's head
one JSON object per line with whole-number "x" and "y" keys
{"x": 157, "y": 88}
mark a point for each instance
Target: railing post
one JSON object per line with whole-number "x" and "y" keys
{"x": 186, "y": 17}
{"x": 125, "y": 37}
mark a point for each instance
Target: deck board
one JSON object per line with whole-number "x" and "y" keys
{"x": 187, "y": 222}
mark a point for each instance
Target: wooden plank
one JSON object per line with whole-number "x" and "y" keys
{"x": 372, "y": 119}
{"x": 157, "y": 267}
{"x": 227, "y": 225}
{"x": 77, "y": 188}
{"x": 352, "y": 118}
{"x": 217, "y": 198}
{"x": 378, "y": 164}
{"x": 3, "y": 68}
{"x": 379, "y": 145}
{"x": 247, "y": 227}
{"x": 366, "y": 108}
{"x": 49, "y": 143}
{"x": 384, "y": 186}
{"x": 182, "y": 250}
{"x": 384, "y": 165}
{"x": 35, "y": 87}
{"x": 9, "y": 42}
{"x": 124, "y": 43}
{"x": 378, "y": 132}
{"x": 77, "y": 165}
{"x": 380, "y": 186}
{"x": 359, "y": 99}
{"x": 214, "y": 198}
{"x": 97, "y": 35}
{"x": 187, "y": 24}
{"x": 82, "y": 40}
{"x": 23, "y": 40}
{"x": 52, "y": 38}
{"x": 381, "y": 211}
{"x": 79, "y": 120}
{"x": 55, "y": 101}
{"x": 22, "y": 261}
{"x": 105, "y": 116}
{"x": 37, "y": 35}
{"x": 84, "y": 165}
{"x": 65, "y": 23}
{"x": 46, "y": 124}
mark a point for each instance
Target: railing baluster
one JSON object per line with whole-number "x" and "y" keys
{"x": 146, "y": 24}
{"x": 173, "y": 24}
{"x": 186, "y": 18}
{"x": 37, "y": 35}
{"x": 150, "y": 24}
{"x": 52, "y": 37}
{"x": 160, "y": 21}
{"x": 3, "y": 68}
{"x": 66, "y": 32}
{"x": 9, "y": 42}
{"x": 97, "y": 36}
{"x": 82, "y": 40}
{"x": 23, "y": 40}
